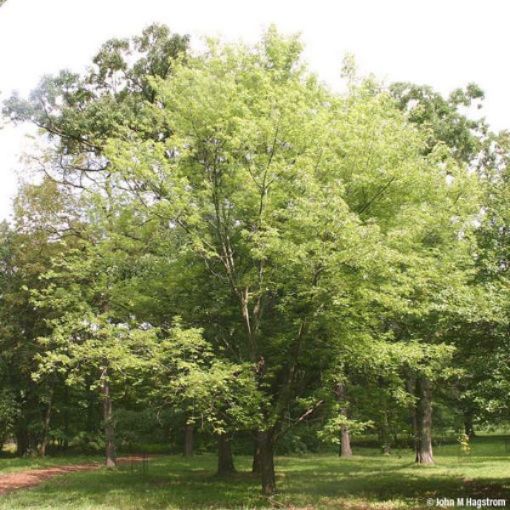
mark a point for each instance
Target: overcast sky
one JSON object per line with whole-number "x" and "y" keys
{"x": 445, "y": 43}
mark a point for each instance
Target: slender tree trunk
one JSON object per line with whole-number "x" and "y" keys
{"x": 424, "y": 421}
{"x": 188, "y": 440}
{"x": 468, "y": 424}
{"x": 109, "y": 427}
{"x": 267, "y": 473}
{"x": 345, "y": 443}
{"x": 385, "y": 433}
{"x": 22, "y": 440}
{"x": 92, "y": 410}
{"x": 411, "y": 389}
{"x": 225, "y": 458}
{"x": 255, "y": 465}
{"x": 65, "y": 415}
{"x": 345, "y": 436}
{"x": 46, "y": 427}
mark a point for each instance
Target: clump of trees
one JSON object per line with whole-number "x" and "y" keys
{"x": 221, "y": 239}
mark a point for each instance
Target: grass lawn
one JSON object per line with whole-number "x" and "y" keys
{"x": 13, "y": 464}
{"x": 368, "y": 480}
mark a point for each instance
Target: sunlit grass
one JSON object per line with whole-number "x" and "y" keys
{"x": 368, "y": 480}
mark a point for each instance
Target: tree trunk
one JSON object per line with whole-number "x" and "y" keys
{"x": 468, "y": 424}
{"x": 22, "y": 440}
{"x": 423, "y": 432}
{"x": 411, "y": 389}
{"x": 255, "y": 466}
{"x": 188, "y": 440}
{"x": 345, "y": 436}
{"x": 225, "y": 458}
{"x": 267, "y": 473}
{"x": 109, "y": 427}
{"x": 384, "y": 433}
{"x": 46, "y": 427}
{"x": 66, "y": 418}
{"x": 92, "y": 418}
{"x": 345, "y": 443}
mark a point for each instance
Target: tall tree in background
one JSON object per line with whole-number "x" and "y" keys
{"x": 451, "y": 122}
{"x": 488, "y": 329}
{"x": 446, "y": 120}
{"x": 27, "y": 252}
{"x": 79, "y": 113}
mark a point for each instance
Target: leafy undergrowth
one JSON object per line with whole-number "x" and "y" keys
{"x": 368, "y": 480}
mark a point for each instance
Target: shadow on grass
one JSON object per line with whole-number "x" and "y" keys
{"x": 313, "y": 481}
{"x": 394, "y": 484}
{"x": 388, "y": 479}
{"x": 169, "y": 482}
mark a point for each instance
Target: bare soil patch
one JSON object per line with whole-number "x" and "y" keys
{"x": 32, "y": 477}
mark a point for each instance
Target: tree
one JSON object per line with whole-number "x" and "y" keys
{"x": 266, "y": 175}
{"x": 219, "y": 395}
{"x": 92, "y": 339}
{"x": 486, "y": 345}
{"x": 449, "y": 122}
{"x": 307, "y": 241}
{"x": 445, "y": 119}
{"x": 26, "y": 253}
{"x": 78, "y": 114}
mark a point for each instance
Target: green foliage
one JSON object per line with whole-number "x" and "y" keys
{"x": 463, "y": 440}
{"x": 445, "y": 119}
{"x": 331, "y": 431}
{"x": 82, "y": 112}
{"x": 9, "y": 414}
{"x": 212, "y": 393}
{"x": 316, "y": 213}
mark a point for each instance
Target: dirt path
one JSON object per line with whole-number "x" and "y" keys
{"x": 32, "y": 477}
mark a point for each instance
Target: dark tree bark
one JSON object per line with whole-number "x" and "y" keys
{"x": 267, "y": 473}
{"x": 384, "y": 433}
{"x": 46, "y": 427}
{"x": 411, "y": 389}
{"x": 109, "y": 426}
{"x": 423, "y": 433}
{"x": 64, "y": 444}
{"x": 22, "y": 440}
{"x": 225, "y": 458}
{"x": 255, "y": 466}
{"x": 468, "y": 424}
{"x": 188, "y": 440}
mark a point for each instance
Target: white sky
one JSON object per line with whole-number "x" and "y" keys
{"x": 445, "y": 43}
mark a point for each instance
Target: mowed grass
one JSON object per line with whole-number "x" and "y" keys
{"x": 368, "y": 480}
